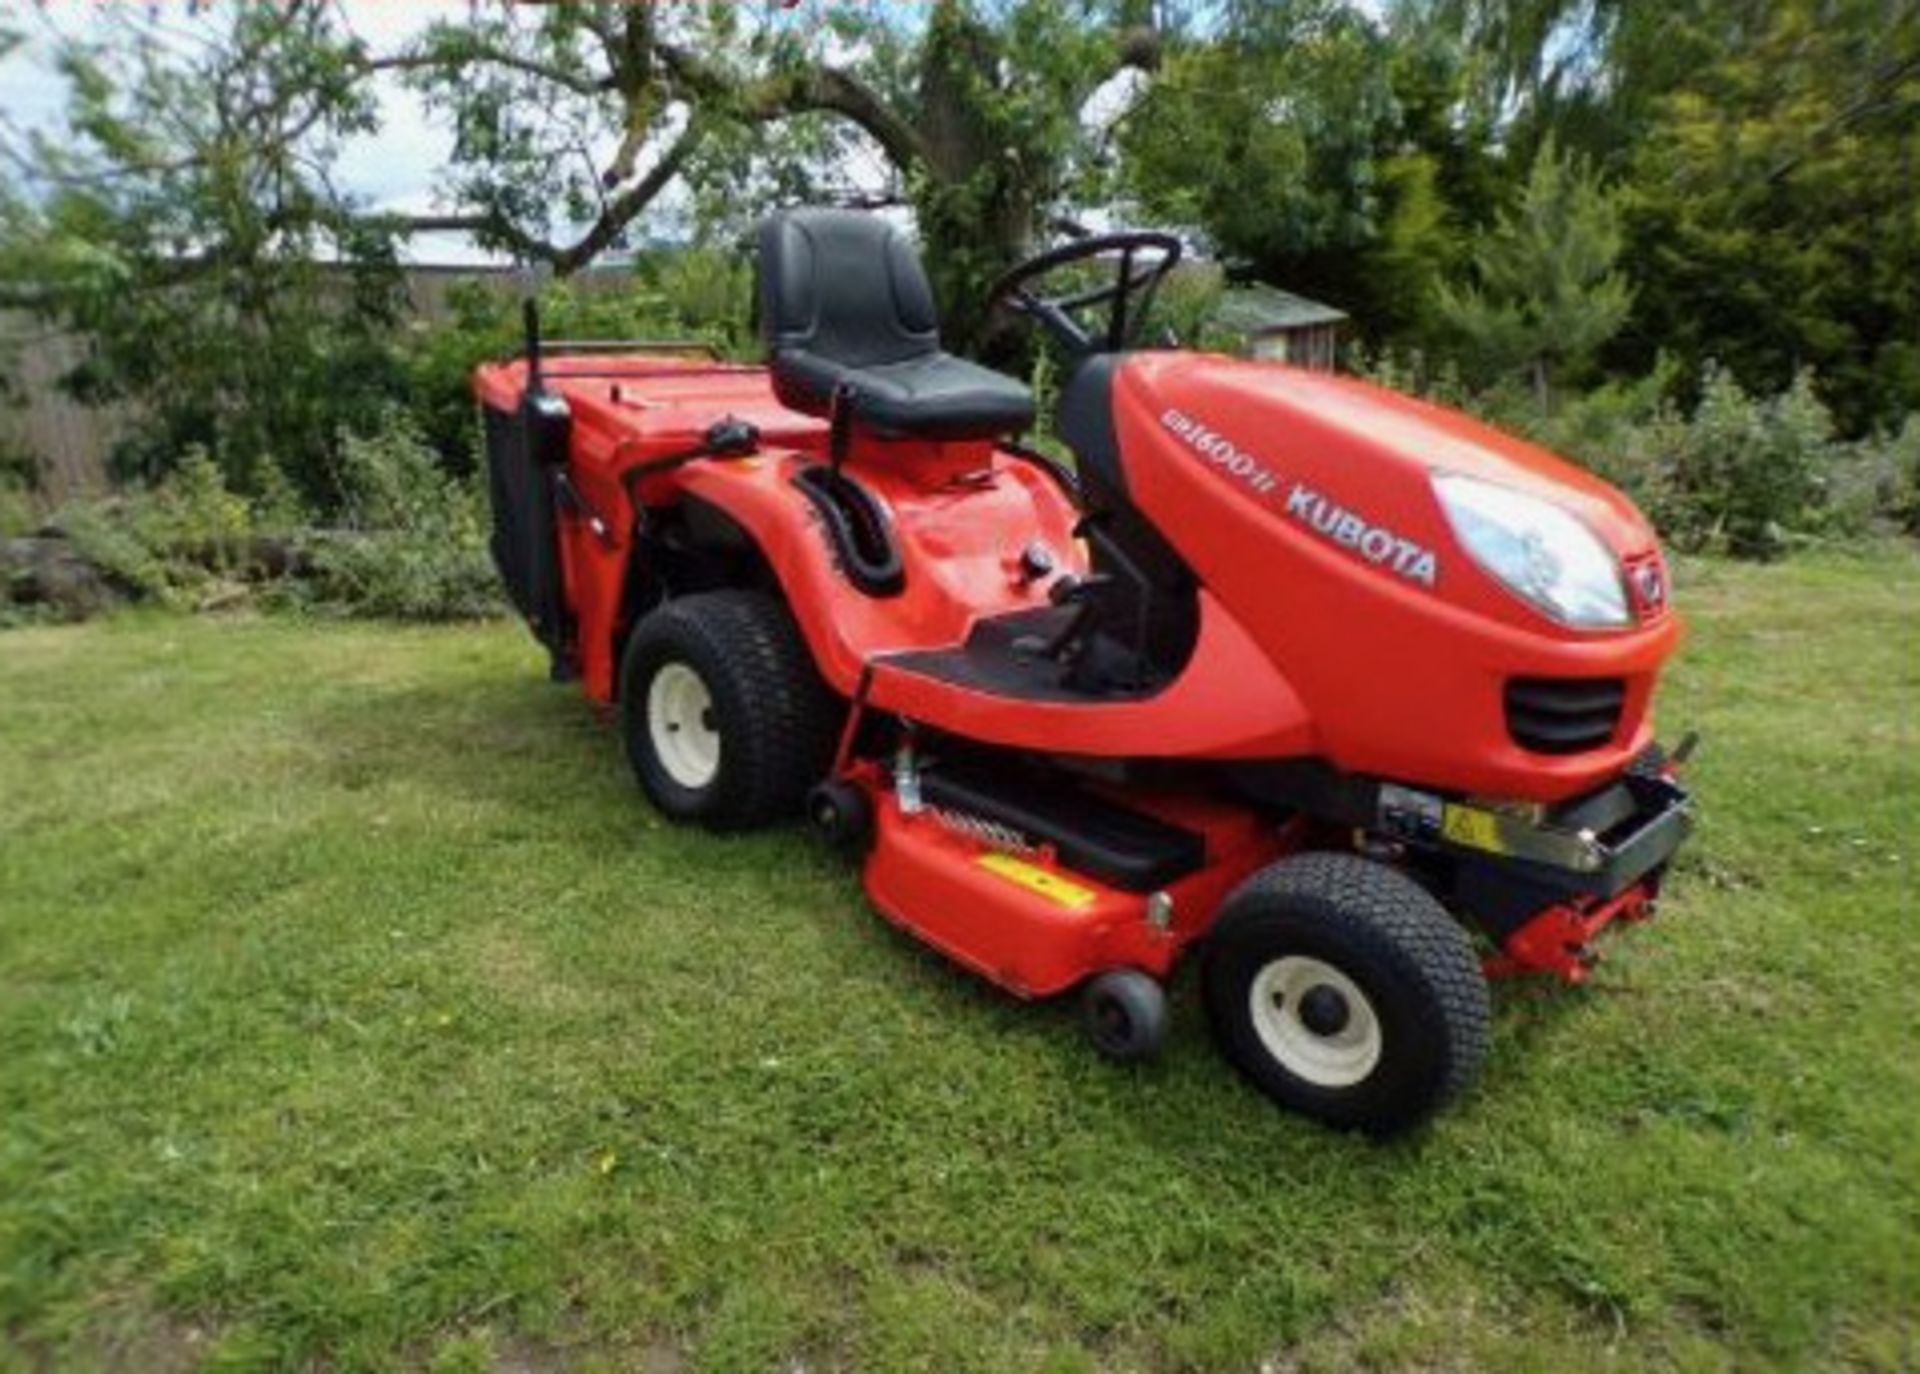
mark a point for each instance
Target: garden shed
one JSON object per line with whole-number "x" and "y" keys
{"x": 1280, "y": 326}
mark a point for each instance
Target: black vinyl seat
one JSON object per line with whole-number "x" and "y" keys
{"x": 845, "y": 303}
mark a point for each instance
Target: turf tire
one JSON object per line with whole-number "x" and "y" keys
{"x": 777, "y": 722}
{"x": 1413, "y": 964}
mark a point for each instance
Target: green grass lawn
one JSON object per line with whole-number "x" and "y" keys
{"x": 356, "y": 1012}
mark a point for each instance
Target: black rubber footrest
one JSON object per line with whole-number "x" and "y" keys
{"x": 1105, "y": 841}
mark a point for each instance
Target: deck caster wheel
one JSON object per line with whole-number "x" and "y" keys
{"x": 724, "y": 716}
{"x": 842, "y": 815}
{"x": 1124, "y": 1013}
{"x": 1345, "y": 992}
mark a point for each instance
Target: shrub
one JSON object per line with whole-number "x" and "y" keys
{"x": 1876, "y": 483}
{"x": 19, "y": 509}
{"x": 106, "y": 533}
{"x": 414, "y": 541}
{"x": 1743, "y": 475}
{"x": 179, "y": 540}
{"x": 1752, "y": 473}
{"x": 698, "y": 295}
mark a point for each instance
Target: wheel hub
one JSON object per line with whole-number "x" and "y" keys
{"x": 680, "y": 726}
{"x": 1315, "y": 1021}
{"x": 1324, "y": 1011}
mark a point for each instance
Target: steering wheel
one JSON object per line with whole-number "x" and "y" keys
{"x": 1128, "y": 296}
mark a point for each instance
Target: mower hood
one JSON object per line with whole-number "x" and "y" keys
{"x": 1380, "y": 436}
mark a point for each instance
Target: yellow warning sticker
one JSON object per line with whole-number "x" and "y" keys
{"x": 1056, "y": 889}
{"x": 1472, "y": 828}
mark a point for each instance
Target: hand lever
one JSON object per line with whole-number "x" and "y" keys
{"x": 839, "y": 425}
{"x": 1080, "y": 593}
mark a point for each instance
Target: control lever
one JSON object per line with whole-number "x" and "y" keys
{"x": 1082, "y": 593}
{"x": 840, "y": 425}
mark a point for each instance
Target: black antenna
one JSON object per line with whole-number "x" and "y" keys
{"x": 530, "y": 322}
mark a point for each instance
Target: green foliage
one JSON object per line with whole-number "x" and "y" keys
{"x": 1773, "y": 220}
{"x": 408, "y": 541}
{"x": 19, "y": 469}
{"x": 174, "y": 542}
{"x": 183, "y": 221}
{"x": 1419, "y": 247}
{"x": 698, "y": 295}
{"x": 1894, "y": 467}
{"x": 413, "y": 544}
{"x": 704, "y": 294}
{"x": 1544, "y": 295}
{"x": 1407, "y": 166}
{"x": 1271, "y": 140}
{"x": 19, "y": 509}
{"x": 999, "y": 93}
{"x": 1757, "y": 471}
{"x": 1184, "y": 308}
{"x": 1732, "y": 473}
{"x": 103, "y": 534}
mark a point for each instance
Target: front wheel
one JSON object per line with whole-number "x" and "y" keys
{"x": 724, "y": 717}
{"x": 1344, "y": 991}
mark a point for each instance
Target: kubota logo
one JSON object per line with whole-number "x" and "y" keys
{"x": 1375, "y": 543}
{"x": 1334, "y": 523}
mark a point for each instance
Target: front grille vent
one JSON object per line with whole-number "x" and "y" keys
{"x": 1564, "y": 715}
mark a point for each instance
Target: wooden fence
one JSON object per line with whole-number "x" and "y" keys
{"x": 68, "y": 442}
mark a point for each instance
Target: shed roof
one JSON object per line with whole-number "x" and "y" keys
{"x": 1256, "y": 308}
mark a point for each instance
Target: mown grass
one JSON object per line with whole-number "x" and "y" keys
{"x": 355, "y": 1012}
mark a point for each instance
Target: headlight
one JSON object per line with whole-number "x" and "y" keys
{"x": 1537, "y": 549}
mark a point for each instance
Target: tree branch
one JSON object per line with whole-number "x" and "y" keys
{"x": 578, "y": 82}
{"x": 826, "y": 90}
{"x": 565, "y": 259}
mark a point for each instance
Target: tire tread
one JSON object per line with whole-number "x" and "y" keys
{"x": 1382, "y": 908}
{"x": 782, "y": 718}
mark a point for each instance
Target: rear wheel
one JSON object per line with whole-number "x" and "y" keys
{"x": 725, "y": 719}
{"x": 1346, "y": 992}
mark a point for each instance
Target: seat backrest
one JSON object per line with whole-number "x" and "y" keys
{"x": 845, "y": 285}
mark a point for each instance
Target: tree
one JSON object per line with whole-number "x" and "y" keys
{"x": 1771, "y": 211}
{"x": 185, "y": 222}
{"x": 1544, "y": 293}
{"x": 1765, "y": 154}
{"x": 1268, "y": 134}
{"x": 573, "y": 120}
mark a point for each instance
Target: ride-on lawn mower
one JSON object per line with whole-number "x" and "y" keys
{"x": 1347, "y": 691}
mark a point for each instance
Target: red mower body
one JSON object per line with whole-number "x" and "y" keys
{"x": 1260, "y": 684}
{"x": 1313, "y": 658}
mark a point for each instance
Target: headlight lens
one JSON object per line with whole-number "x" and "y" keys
{"x": 1537, "y": 549}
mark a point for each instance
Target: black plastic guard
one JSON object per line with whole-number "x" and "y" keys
{"x": 1104, "y": 840}
{"x": 523, "y": 451}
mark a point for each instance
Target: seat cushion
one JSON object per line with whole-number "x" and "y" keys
{"x": 935, "y": 395}
{"x": 844, "y": 302}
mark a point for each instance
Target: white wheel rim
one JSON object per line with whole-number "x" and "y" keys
{"x": 680, "y": 726}
{"x": 1338, "y": 1058}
